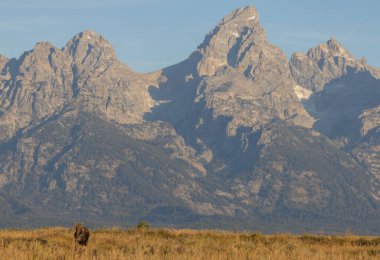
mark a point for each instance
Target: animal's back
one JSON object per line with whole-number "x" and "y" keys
{"x": 81, "y": 234}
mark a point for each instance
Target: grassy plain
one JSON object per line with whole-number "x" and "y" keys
{"x": 144, "y": 243}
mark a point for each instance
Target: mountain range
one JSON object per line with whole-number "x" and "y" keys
{"x": 236, "y": 136}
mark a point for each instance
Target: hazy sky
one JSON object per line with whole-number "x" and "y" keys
{"x": 151, "y": 34}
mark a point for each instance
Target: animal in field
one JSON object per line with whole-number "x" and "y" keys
{"x": 81, "y": 234}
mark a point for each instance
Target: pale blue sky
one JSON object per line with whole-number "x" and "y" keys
{"x": 151, "y": 34}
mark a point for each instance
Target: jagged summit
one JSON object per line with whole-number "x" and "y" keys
{"x": 85, "y": 74}
{"x": 247, "y": 14}
{"x": 89, "y": 36}
{"x": 231, "y": 40}
{"x": 213, "y": 139}
{"x": 89, "y": 44}
{"x": 243, "y": 78}
{"x": 322, "y": 63}
{"x": 332, "y": 43}
{"x": 43, "y": 44}
{"x": 331, "y": 48}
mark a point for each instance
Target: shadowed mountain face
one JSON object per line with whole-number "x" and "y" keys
{"x": 235, "y": 136}
{"x": 342, "y": 88}
{"x": 344, "y": 101}
{"x": 234, "y": 83}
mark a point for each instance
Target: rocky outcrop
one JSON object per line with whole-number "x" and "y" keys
{"x": 367, "y": 148}
{"x": 234, "y": 83}
{"x": 231, "y": 42}
{"x": 370, "y": 120}
{"x": 344, "y": 88}
{"x": 246, "y": 74}
{"x": 34, "y": 86}
{"x": 322, "y": 64}
{"x": 344, "y": 101}
{"x": 84, "y": 74}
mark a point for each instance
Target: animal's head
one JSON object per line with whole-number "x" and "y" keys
{"x": 78, "y": 226}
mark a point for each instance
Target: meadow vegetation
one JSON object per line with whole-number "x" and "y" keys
{"x": 146, "y": 243}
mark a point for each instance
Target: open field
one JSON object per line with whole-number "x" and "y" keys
{"x": 143, "y": 243}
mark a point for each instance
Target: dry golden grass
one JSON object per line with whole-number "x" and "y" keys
{"x": 58, "y": 243}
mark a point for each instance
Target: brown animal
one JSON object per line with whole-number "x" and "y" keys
{"x": 81, "y": 234}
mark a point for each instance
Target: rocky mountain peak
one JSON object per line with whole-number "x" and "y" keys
{"x": 231, "y": 40}
{"x": 244, "y": 79}
{"x": 40, "y": 51}
{"x": 84, "y": 137}
{"x": 332, "y": 48}
{"x": 321, "y": 64}
{"x": 245, "y": 16}
{"x": 37, "y": 64}
{"x": 90, "y": 50}
{"x": 43, "y": 46}
{"x": 333, "y": 44}
{"x": 86, "y": 38}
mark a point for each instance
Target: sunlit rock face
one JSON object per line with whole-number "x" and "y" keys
{"x": 234, "y": 135}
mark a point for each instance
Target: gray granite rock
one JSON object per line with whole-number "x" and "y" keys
{"x": 222, "y": 139}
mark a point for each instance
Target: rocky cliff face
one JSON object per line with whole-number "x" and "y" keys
{"x": 246, "y": 74}
{"x": 84, "y": 74}
{"x": 234, "y": 83}
{"x": 344, "y": 102}
{"x": 232, "y": 42}
{"x": 322, "y": 64}
{"x": 233, "y": 135}
{"x": 345, "y": 91}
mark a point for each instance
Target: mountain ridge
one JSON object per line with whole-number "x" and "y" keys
{"x": 218, "y": 136}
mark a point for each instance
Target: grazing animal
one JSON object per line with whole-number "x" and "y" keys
{"x": 81, "y": 234}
